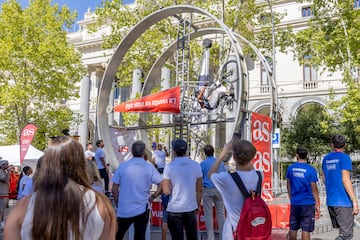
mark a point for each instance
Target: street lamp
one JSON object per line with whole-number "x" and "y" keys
{"x": 274, "y": 111}
{"x": 272, "y": 41}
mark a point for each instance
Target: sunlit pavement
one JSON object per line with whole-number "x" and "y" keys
{"x": 323, "y": 230}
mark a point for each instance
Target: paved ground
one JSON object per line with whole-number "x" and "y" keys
{"x": 323, "y": 231}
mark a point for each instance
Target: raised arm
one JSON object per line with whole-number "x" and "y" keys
{"x": 227, "y": 149}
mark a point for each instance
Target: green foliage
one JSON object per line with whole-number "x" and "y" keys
{"x": 346, "y": 115}
{"x": 312, "y": 128}
{"x": 332, "y": 40}
{"x": 39, "y": 70}
{"x": 333, "y": 36}
{"x": 241, "y": 16}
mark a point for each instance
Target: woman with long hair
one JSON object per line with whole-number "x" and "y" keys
{"x": 63, "y": 205}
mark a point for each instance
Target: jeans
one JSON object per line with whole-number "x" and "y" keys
{"x": 178, "y": 221}
{"x": 140, "y": 223}
{"x": 212, "y": 196}
{"x": 3, "y": 204}
{"x": 104, "y": 175}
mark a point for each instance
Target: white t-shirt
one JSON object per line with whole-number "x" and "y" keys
{"x": 135, "y": 178}
{"x": 183, "y": 173}
{"x": 89, "y": 153}
{"x": 215, "y": 96}
{"x": 232, "y": 197}
{"x": 159, "y": 158}
{"x": 94, "y": 225}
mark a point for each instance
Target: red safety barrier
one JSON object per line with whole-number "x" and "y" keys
{"x": 280, "y": 215}
{"x": 157, "y": 214}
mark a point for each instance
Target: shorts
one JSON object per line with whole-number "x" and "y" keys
{"x": 302, "y": 216}
{"x": 165, "y": 216}
{"x": 165, "y": 200}
{"x": 164, "y": 203}
{"x": 343, "y": 219}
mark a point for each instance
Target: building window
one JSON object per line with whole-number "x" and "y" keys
{"x": 310, "y": 77}
{"x": 356, "y": 3}
{"x": 265, "y": 79}
{"x": 306, "y": 12}
{"x": 310, "y": 73}
{"x": 355, "y": 73}
{"x": 116, "y": 93}
{"x": 264, "y": 76}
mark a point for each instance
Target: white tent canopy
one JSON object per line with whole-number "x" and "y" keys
{"x": 12, "y": 154}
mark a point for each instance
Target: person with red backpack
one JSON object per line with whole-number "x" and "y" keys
{"x": 247, "y": 215}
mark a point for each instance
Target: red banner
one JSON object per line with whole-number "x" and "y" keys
{"x": 261, "y": 126}
{"x": 26, "y": 137}
{"x": 167, "y": 101}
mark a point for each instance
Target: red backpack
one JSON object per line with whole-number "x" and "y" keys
{"x": 255, "y": 218}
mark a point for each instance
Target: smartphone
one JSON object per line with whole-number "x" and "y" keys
{"x": 236, "y": 135}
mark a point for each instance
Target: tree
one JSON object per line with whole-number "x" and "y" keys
{"x": 39, "y": 70}
{"x": 331, "y": 41}
{"x": 312, "y": 129}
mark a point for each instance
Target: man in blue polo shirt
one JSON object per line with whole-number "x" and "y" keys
{"x": 340, "y": 198}
{"x": 101, "y": 164}
{"x": 131, "y": 190}
{"x": 303, "y": 194}
{"x": 211, "y": 195}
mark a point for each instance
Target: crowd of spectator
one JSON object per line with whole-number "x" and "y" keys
{"x": 68, "y": 195}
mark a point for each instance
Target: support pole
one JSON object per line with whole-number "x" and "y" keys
{"x": 165, "y": 118}
{"x": 274, "y": 111}
{"x": 84, "y": 109}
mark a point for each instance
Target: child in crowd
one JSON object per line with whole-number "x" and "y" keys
{"x": 243, "y": 152}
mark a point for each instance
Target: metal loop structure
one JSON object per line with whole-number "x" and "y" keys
{"x": 241, "y": 93}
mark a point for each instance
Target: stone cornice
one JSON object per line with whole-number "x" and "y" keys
{"x": 91, "y": 43}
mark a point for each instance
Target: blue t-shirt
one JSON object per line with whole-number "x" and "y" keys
{"x": 205, "y": 167}
{"x": 98, "y": 154}
{"x": 301, "y": 175}
{"x": 332, "y": 166}
{"x": 134, "y": 178}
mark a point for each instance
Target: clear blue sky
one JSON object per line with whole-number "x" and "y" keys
{"x": 80, "y": 6}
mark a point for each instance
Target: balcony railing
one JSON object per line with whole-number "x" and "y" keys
{"x": 265, "y": 89}
{"x": 310, "y": 85}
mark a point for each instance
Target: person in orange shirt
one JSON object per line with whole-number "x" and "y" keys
{"x": 14, "y": 179}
